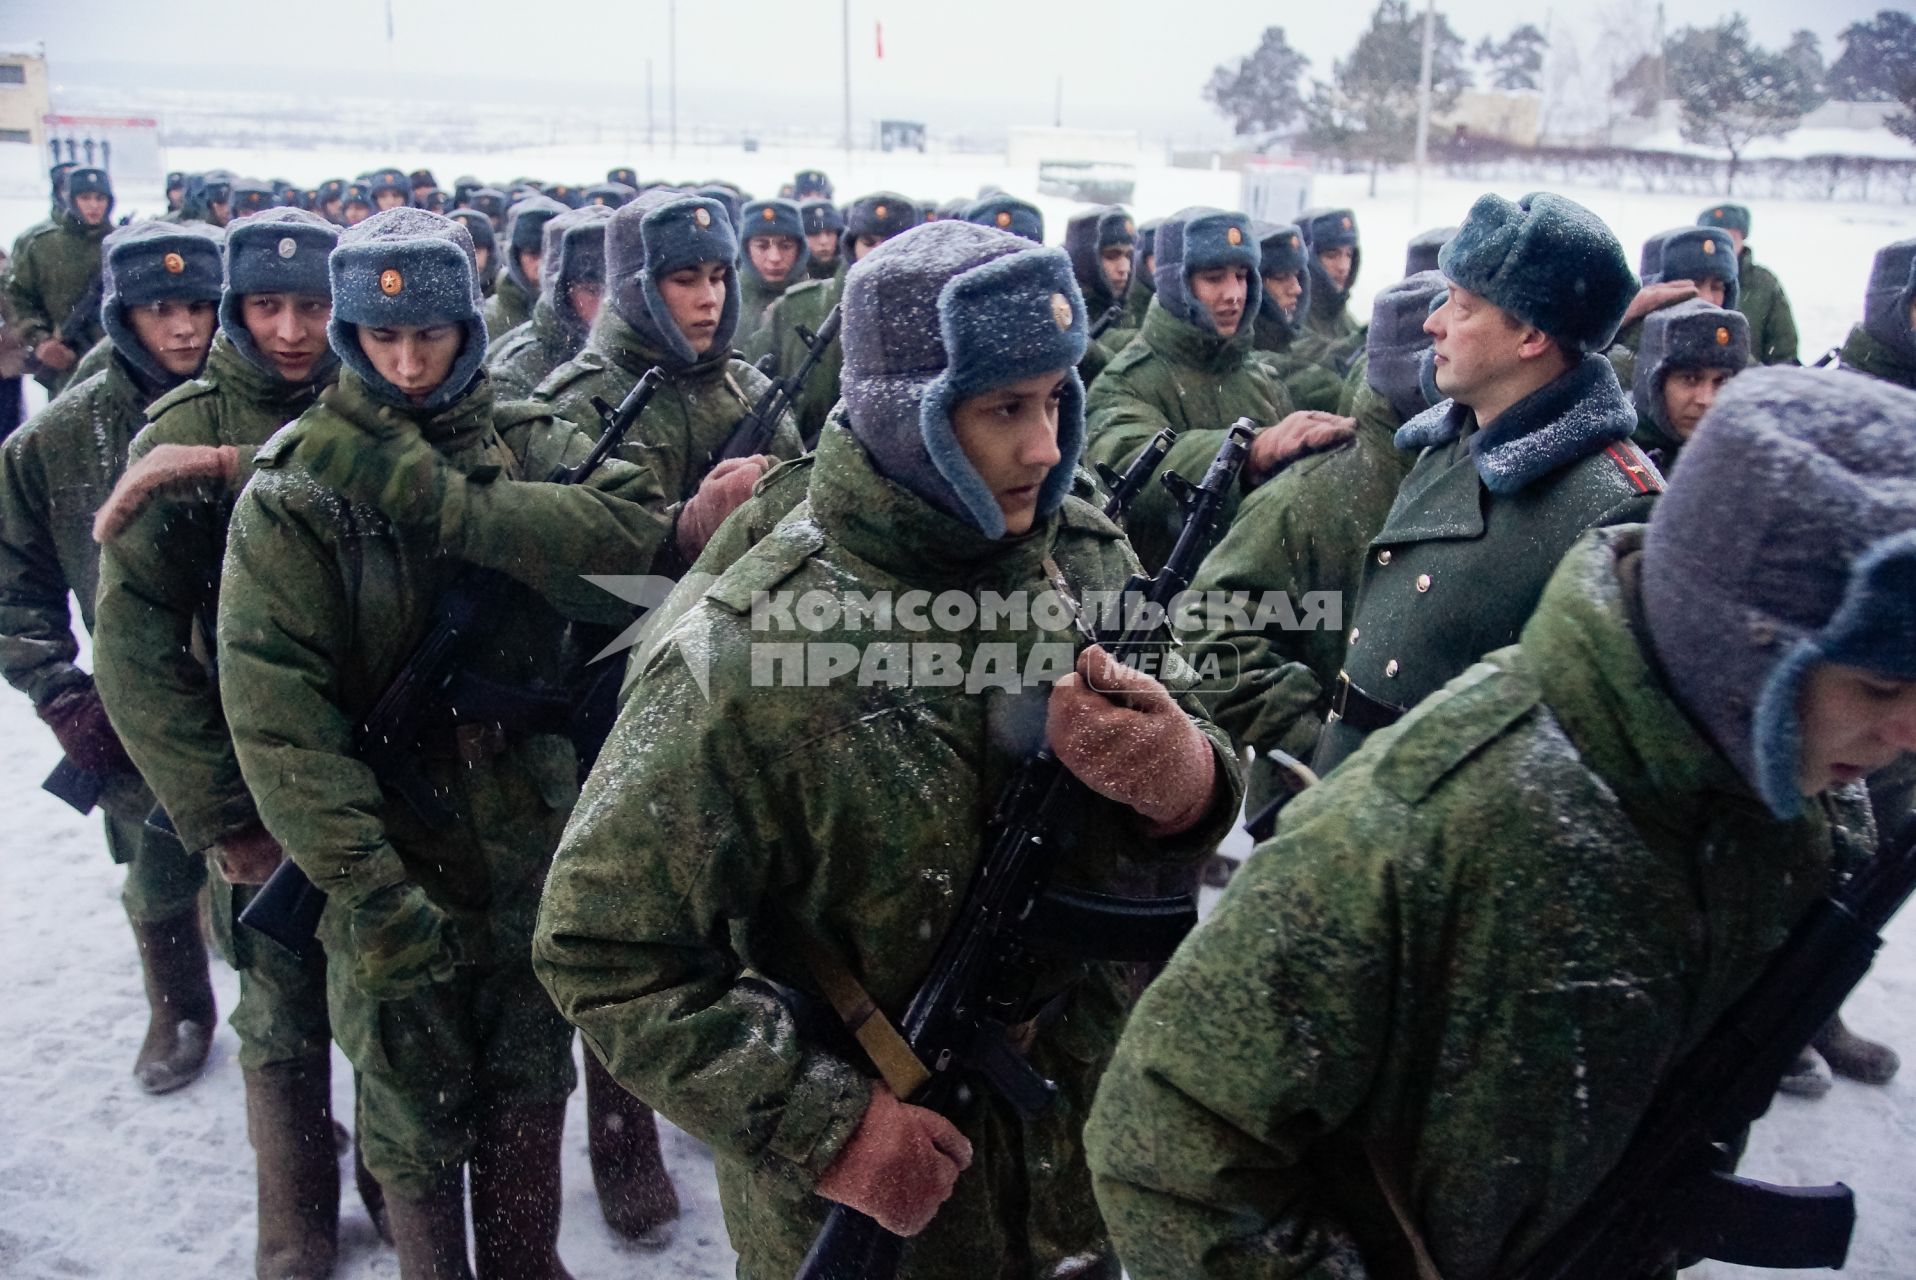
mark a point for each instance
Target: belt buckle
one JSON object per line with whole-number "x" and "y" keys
{"x": 1340, "y": 698}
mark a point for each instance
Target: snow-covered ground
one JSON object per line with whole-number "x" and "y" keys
{"x": 98, "y": 1180}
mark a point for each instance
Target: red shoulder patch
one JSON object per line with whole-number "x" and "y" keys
{"x": 1637, "y": 467}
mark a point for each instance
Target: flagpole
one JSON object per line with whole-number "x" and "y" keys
{"x": 845, "y": 32}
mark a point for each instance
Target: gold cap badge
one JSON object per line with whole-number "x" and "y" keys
{"x": 1003, "y": 219}
{"x": 702, "y": 216}
{"x": 1722, "y": 337}
{"x": 1347, "y": 223}
{"x": 173, "y": 263}
{"x": 1233, "y": 235}
{"x": 391, "y": 282}
{"x": 880, "y": 211}
{"x": 1061, "y": 310}
{"x": 1130, "y": 227}
{"x": 1709, "y": 246}
{"x": 769, "y": 214}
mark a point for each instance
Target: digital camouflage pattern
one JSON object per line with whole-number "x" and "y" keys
{"x": 690, "y": 416}
{"x": 321, "y": 602}
{"x": 716, "y": 830}
{"x": 54, "y": 473}
{"x": 804, "y": 304}
{"x": 1308, "y": 529}
{"x": 1470, "y": 955}
{"x": 508, "y": 307}
{"x": 1761, "y": 299}
{"x": 1312, "y": 384}
{"x": 524, "y": 357}
{"x": 1862, "y": 352}
{"x": 53, "y": 266}
{"x": 153, "y": 657}
{"x": 1174, "y": 374}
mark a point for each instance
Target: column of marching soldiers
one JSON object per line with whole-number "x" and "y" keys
{"x": 1586, "y": 733}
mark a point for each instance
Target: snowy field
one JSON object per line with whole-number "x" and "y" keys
{"x": 98, "y": 1180}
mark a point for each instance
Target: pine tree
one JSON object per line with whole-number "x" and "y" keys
{"x": 1262, "y": 93}
{"x": 1517, "y": 63}
{"x": 1878, "y": 57}
{"x": 1733, "y": 92}
{"x": 1369, "y": 110}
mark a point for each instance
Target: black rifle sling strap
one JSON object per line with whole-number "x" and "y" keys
{"x": 1426, "y": 1266}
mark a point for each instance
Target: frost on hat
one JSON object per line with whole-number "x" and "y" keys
{"x": 275, "y": 251}
{"x": 1548, "y": 261}
{"x": 406, "y": 268}
{"x": 946, "y": 311}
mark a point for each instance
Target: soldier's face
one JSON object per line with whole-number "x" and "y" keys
{"x": 1854, "y": 722}
{"x": 482, "y": 258}
{"x": 91, "y": 207}
{"x": 823, "y": 244}
{"x": 357, "y": 213}
{"x": 862, "y": 245}
{"x": 221, "y": 211}
{"x": 1010, "y": 436}
{"x": 1284, "y": 291}
{"x": 1712, "y": 290}
{"x": 415, "y": 360}
{"x": 177, "y": 334}
{"x": 1337, "y": 264}
{"x": 1115, "y": 261}
{"x": 773, "y": 257}
{"x": 584, "y": 296}
{"x": 695, "y": 296}
{"x": 529, "y": 266}
{"x": 289, "y": 329}
{"x": 1688, "y": 395}
{"x": 1222, "y": 291}
{"x": 388, "y": 198}
{"x": 1736, "y": 239}
{"x": 1912, "y": 315}
{"x": 1476, "y": 345}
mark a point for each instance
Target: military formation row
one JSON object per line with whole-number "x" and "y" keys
{"x": 303, "y": 445}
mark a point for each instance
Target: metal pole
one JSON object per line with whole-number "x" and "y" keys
{"x": 672, "y": 68}
{"x": 392, "y": 78}
{"x": 1423, "y": 112}
{"x": 845, "y": 29}
{"x": 1057, "y": 106}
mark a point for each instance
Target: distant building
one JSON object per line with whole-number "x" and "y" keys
{"x": 1513, "y": 116}
{"x": 23, "y": 96}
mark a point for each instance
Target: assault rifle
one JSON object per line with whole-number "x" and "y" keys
{"x": 1669, "y": 1196}
{"x": 755, "y": 430}
{"x": 288, "y": 906}
{"x": 1129, "y": 485}
{"x": 1102, "y": 325}
{"x": 959, "y": 1023}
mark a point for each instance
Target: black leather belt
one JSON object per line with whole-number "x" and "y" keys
{"x": 1361, "y": 711}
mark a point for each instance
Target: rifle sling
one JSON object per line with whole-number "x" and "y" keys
{"x": 862, "y": 1017}
{"x": 1426, "y": 1266}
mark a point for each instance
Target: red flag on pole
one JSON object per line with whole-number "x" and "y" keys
{"x": 878, "y": 30}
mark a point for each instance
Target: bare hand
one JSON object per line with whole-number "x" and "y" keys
{"x": 1655, "y": 297}
{"x": 1303, "y": 433}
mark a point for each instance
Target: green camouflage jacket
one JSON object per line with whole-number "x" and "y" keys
{"x": 1866, "y": 355}
{"x": 1305, "y": 531}
{"x": 53, "y": 267}
{"x": 524, "y": 357}
{"x": 732, "y": 816}
{"x": 507, "y": 308}
{"x": 689, "y": 417}
{"x": 158, "y": 598}
{"x": 804, "y": 304}
{"x": 1174, "y": 374}
{"x": 1466, "y": 960}
{"x": 1761, "y": 299}
{"x": 321, "y": 603}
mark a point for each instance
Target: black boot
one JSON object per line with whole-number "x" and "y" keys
{"x": 372, "y": 1195}
{"x": 429, "y": 1231}
{"x": 1855, "y": 1058}
{"x": 516, "y": 1193}
{"x": 635, "y": 1192}
{"x": 179, "y": 993}
{"x": 289, "y": 1121}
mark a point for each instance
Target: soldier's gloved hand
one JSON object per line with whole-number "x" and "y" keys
{"x": 719, "y": 494}
{"x": 900, "y": 1165}
{"x": 55, "y": 355}
{"x": 1124, "y": 736}
{"x": 86, "y": 735}
{"x": 248, "y": 857}
{"x": 170, "y": 470}
{"x": 398, "y": 474}
{"x": 401, "y": 943}
{"x": 1298, "y": 436}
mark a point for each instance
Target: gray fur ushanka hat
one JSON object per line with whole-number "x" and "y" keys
{"x": 407, "y": 268}
{"x": 1690, "y": 335}
{"x": 946, "y": 311}
{"x": 147, "y": 262}
{"x": 659, "y": 233}
{"x": 276, "y": 251}
{"x": 1892, "y": 286}
{"x": 1548, "y": 261}
{"x": 1197, "y": 239}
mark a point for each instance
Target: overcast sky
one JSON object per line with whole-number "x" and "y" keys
{"x": 1124, "y": 62}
